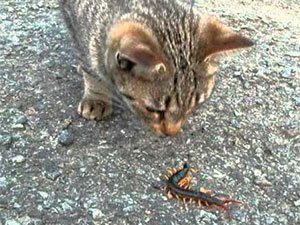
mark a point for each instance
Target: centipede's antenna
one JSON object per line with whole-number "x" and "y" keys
{"x": 188, "y": 159}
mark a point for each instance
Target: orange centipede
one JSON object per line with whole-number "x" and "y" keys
{"x": 178, "y": 185}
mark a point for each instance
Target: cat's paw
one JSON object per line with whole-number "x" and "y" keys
{"x": 94, "y": 109}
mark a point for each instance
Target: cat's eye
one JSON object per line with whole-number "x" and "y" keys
{"x": 123, "y": 62}
{"x": 151, "y": 110}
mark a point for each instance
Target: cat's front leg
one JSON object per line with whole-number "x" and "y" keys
{"x": 96, "y": 102}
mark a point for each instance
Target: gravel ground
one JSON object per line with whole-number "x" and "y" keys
{"x": 57, "y": 168}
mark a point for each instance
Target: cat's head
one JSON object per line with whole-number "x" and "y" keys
{"x": 164, "y": 76}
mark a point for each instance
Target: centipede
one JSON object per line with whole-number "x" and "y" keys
{"x": 178, "y": 185}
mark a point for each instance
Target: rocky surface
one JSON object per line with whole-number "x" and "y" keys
{"x": 57, "y": 168}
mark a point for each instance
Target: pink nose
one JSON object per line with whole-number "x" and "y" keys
{"x": 169, "y": 129}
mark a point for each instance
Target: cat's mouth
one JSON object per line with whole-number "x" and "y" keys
{"x": 159, "y": 120}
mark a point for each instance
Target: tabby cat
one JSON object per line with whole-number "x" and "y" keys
{"x": 157, "y": 57}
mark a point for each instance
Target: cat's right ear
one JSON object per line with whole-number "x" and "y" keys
{"x": 219, "y": 38}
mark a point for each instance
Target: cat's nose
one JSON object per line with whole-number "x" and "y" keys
{"x": 169, "y": 128}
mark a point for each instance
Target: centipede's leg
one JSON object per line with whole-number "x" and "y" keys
{"x": 185, "y": 205}
{"x": 170, "y": 171}
{"x": 229, "y": 201}
{"x": 185, "y": 182}
{"x": 199, "y": 203}
{"x": 174, "y": 170}
{"x": 170, "y": 195}
{"x": 204, "y": 190}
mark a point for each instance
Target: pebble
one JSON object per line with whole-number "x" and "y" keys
{"x": 247, "y": 85}
{"x": 237, "y": 113}
{"x": 26, "y": 220}
{"x": 297, "y": 101}
{"x": 263, "y": 182}
{"x": 5, "y": 139}
{"x": 17, "y": 205}
{"x": 270, "y": 220}
{"x": 18, "y": 126}
{"x": 12, "y": 222}
{"x": 18, "y": 159}
{"x": 21, "y": 120}
{"x": 52, "y": 174}
{"x": 43, "y": 194}
{"x": 293, "y": 54}
{"x": 140, "y": 171}
{"x": 66, "y": 137}
{"x": 288, "y": 72}
{"x": 257, "y": 172}
{"x": 297, "y": 203}
{"x": 66, "y": 206}
{"x": 96, "y": 213}
{"x": 3, "y": 182}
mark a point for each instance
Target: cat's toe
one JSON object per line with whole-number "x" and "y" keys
{"x": 94, "y": 110}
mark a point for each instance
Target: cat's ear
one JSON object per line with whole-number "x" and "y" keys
{"x": 218, "y": 37}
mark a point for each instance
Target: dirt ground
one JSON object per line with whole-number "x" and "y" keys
{"x": 57, "y": 168}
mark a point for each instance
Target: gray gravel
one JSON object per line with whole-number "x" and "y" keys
{"x": 245, "y": 142}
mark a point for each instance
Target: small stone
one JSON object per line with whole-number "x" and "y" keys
{"x": 237, "y": 73}
{"x": 96, "y": 213}
{"x": 140, "y": 171}
{"x": 3, "y": 182}
{"x": 66, "y": 206}
{"x": 12, "y": 222}
{"x": 25, "y": 220}
{"x": 40, "y": 4}
{"x": 288, "y": 72}
{"x": 297, "y": 203}
{"x": 270, "y": 220}
{"x": 293, "y": 54}
{"x": 52, "y": 174}
{"x": 257, "y": 173}
{"x": 43, "y": 194}
{"x": 18, "y": 159}
{"x": 291, "y": 133}
{"x": 5, "y": 139}
{"x": 67, "y": 123}
{"x": 17, "y": 205}
{"x": 18, "y": 126}
{"x": 237, "y": 113}
{"x": 21, "y": 120}
{"x": 148, "y": 212}
{"x": 263, "y": 182}
{"x": 247, "y": 85}
{"x": 297, "y": 101}
{"x": 66, "y": 137}
{"x": 282, "y": 219}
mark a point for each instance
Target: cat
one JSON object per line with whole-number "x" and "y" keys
{"x": 157, "y": 57}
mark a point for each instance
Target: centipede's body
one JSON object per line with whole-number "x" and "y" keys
{"x": 178, "y": 185}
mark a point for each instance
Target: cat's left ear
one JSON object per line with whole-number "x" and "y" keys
{"x": 218, "y": 37}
